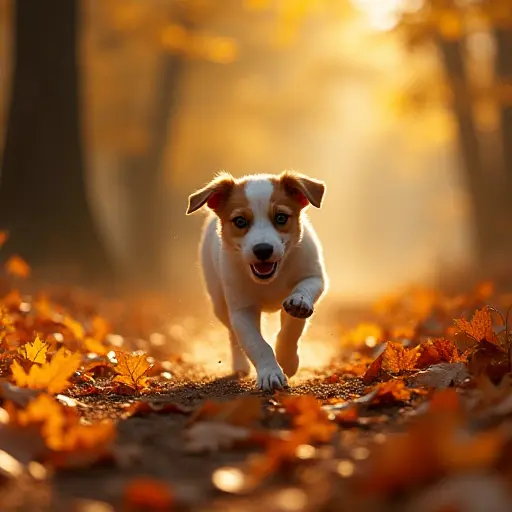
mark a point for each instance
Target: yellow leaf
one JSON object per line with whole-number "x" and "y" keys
{"x": 100, "y": 328}
{"x": 52, "y": 376}
{"x": 93, "y": 345}
{"x": 75, "y": 327}
{"x": 35, "y": 351}
{"x": 16, "y": 266}
{"x": 131, "y": 370}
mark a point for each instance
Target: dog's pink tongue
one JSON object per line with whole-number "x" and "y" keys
{"x": 264, "y": 268}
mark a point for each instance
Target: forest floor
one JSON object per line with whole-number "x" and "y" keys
{"x": 411, "y": 411}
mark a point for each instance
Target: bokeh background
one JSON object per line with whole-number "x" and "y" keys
{"x": 113, "y": 111}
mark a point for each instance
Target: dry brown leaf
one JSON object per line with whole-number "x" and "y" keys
{"x": 211, "y": 436}
{"x": 132, "y": 370}
{"x": 441, "y": 376}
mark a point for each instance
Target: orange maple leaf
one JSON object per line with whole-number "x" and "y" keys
{"x": 479, "y": 328}
{"x": 308, "y": 416}
{"x": 437, "y": 351}
{"x": 52, "y": 376}
{"x": 132, "y": 370}
{"x": 393, "y": 391}
{"x": 396, "y": 358}
{"x": 71, "y": 443}
{"x": 17, "y": 266}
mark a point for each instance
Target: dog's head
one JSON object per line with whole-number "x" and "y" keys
{"x": 260, "y": 216}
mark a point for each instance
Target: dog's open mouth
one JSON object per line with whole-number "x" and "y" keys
{"x": 264, "y": 270}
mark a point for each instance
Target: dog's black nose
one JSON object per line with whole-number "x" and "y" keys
{"x": 263, "y": 251}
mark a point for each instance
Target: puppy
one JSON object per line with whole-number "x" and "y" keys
{"x": 259, "y": 253}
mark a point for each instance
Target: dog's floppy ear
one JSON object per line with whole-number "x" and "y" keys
{"x": 304, "y": 189}
{"x": 212, "y": 194}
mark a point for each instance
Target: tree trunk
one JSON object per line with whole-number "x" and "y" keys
{"x": 43, "y": 197}
{"x": 150, "y": 224}
{"x": 504, "y": 76}
{"x": 485, "y": 188}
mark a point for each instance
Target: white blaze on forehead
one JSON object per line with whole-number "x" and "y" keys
{"x": 258, "y": 193}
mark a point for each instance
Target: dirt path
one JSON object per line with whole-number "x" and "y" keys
{"x": 152, "y": 446}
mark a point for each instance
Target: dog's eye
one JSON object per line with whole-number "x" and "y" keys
{"x": 241, "y": 222}
{"x": 281, "y": 219}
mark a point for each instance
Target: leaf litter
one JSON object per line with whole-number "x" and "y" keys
{"x": 419, "y": 396}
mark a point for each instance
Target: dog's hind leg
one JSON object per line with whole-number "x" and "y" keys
{"x": 240, "y": 363}
{"x": 287, "y": 343}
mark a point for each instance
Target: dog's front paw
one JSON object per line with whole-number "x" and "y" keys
{"x": 270, "y": 378}
{"x": 298, "y": 306}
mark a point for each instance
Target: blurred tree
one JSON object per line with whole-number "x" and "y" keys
{"x": 474, "y": 42}
{"x": 43, "y": 194}
{"x": 151, "y": 43}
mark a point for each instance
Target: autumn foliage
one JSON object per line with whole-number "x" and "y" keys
{"x": 417, "y": 396}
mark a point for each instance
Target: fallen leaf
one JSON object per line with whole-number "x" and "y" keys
{"x": 441, "y": 376}
{"x": 309, "y": 417}
{"x": 391, "y": 392}
{"x": 396, "y": 358}
{"x": 18, "y": 267}
{"x": 479, "y": 328}
{"x": 211, "y": 436}
{"x": 242, "y": 411}
{"x": 19, "y": 396}
{"x": 148, "y": 494}
{"x": 95, "y": 346}
{"x": 131, "y": 370}
{"x": 437, "y": 351}
{"x": 144, "y": 407}
{"x": 69, "y": 443}
{"x": 35, "y": 351}
{"x": 75, "y": 327}
{"x": 52, "y": 376}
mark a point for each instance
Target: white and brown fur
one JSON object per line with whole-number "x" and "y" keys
{"x": 238, "y": 294}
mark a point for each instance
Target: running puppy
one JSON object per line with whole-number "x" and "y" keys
{"x": 260, "y": 254}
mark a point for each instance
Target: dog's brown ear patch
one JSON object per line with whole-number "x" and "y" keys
{"x": 303, "y": 189}
{"x": 213, "y": 194}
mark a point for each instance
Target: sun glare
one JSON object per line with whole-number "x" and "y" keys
{"x": 384, "y": 15}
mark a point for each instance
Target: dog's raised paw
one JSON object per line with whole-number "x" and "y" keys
{"x": 271, "y": 378}
{"x": 298, "y": 306}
